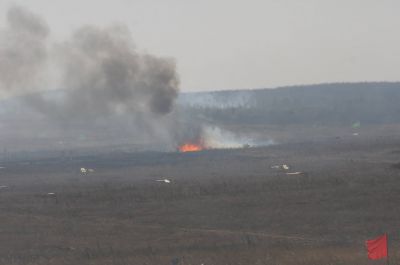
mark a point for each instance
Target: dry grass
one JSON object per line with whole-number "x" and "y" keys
{"x": 222, "y": 207}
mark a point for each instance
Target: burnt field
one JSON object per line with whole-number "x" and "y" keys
{"x": 221, "y": 206}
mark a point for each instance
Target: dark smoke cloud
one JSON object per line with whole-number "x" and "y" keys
{"x": 102, "y": 77}
{"x": 22, "y": 50}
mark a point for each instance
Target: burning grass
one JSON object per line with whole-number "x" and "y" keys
{"x": 190, "y": 147}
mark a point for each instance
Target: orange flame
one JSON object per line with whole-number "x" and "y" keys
{"x": 190, "y": 147}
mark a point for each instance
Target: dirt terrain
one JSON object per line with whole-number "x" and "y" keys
{"x": 220, "y": 207}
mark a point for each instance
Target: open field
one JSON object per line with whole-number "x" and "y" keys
{"x": 221, "y": 207}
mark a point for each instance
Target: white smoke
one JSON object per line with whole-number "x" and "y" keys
{"x": 214, "y": 137}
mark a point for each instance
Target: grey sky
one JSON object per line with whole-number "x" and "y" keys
{"x": 227, "y": 44}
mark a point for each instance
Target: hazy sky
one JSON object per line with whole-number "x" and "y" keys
{"x": 228, "y": 44}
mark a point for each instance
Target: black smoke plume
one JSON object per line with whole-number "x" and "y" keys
{"x": 101, "y": 78}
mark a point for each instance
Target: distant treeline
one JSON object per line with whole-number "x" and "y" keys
{"x": 339, "y": 103}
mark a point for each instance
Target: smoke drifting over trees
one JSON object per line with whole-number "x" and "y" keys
{"x": 99, "y": 71}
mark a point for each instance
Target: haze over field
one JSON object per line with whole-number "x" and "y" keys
{"x": 106, "y": 88}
